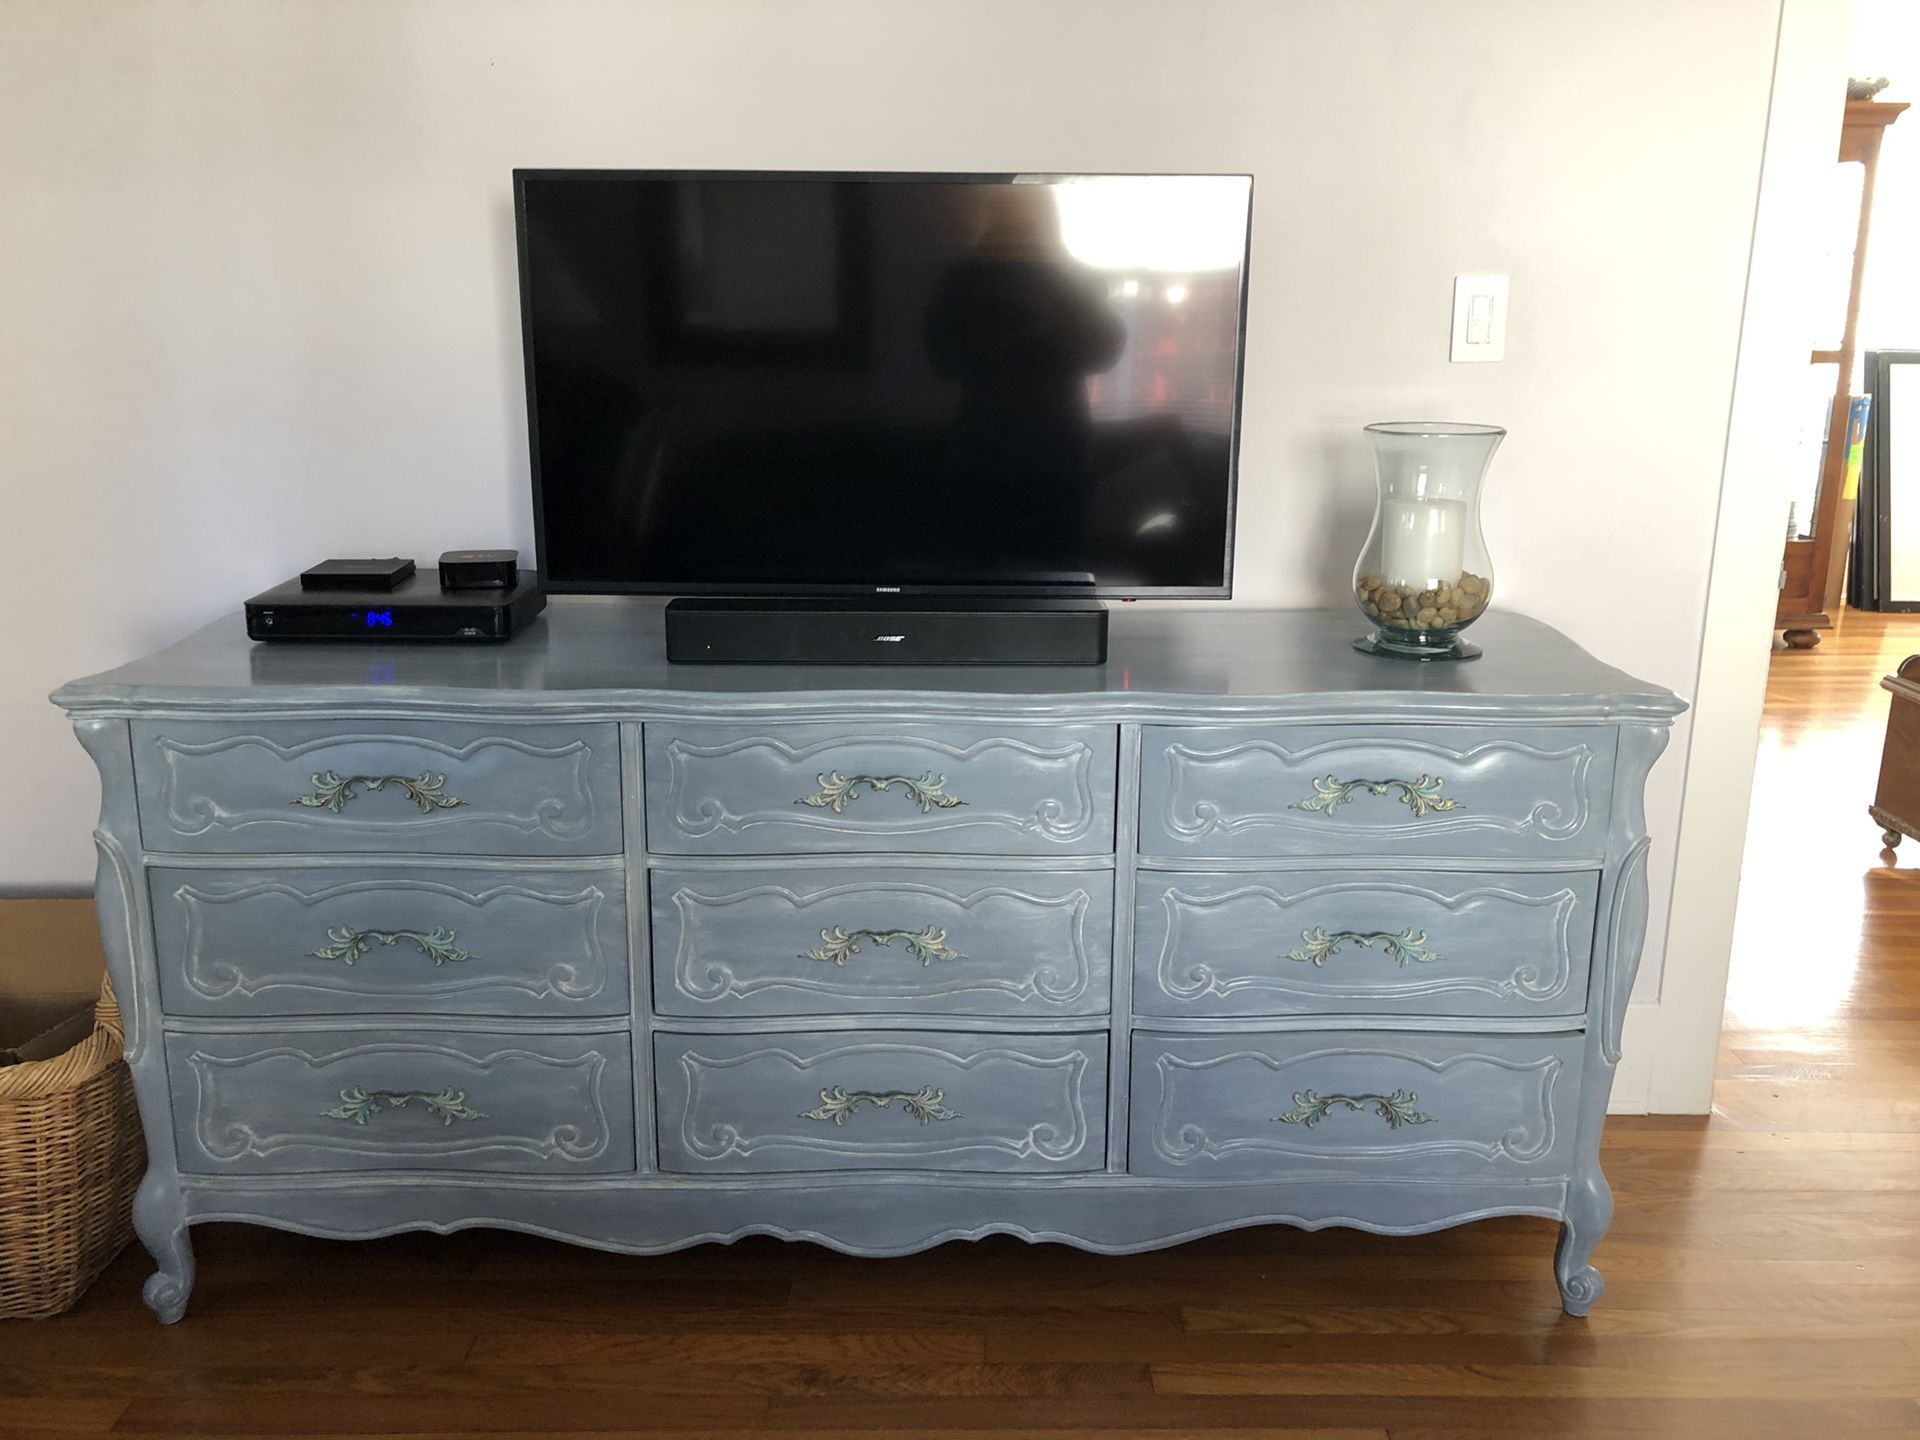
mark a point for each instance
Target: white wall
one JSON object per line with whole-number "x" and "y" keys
{"x": 1670, "y": 1048}
{"x": 259, "y": 307}
{"x": 1887, "y": 42}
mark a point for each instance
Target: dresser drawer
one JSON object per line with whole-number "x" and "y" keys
{"x": 814, "y": 942}
{"x": 411, "y": 939}
{"x": 1371, "y": 790}
{"x": 1402, "y": 942}
{"x": 947, "y": 789}
{"x": 378, "y": 785}
{"x": 389, "y": 1100}
{"x": 1310, "y": 1105}
{"x": 906, "y": 1100}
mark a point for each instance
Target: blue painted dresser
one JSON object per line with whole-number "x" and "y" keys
{"x": 1242, "y": 928}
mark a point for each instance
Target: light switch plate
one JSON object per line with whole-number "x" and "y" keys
{"x": 1479, "y": 318}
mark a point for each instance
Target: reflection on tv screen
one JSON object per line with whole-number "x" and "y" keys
{"x": 763, "y": 382}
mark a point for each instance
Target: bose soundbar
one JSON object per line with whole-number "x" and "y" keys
{"x": 895, "y": 631}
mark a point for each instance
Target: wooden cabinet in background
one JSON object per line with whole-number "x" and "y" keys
{"x": 1896, "y": 804}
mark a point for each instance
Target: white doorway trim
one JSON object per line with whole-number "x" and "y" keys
{"x": 1671, "y": 1045}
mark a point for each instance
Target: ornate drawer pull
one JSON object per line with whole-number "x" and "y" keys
{"x": 1406, "y": 948}
{"x": 1420, "y": 796}
{"x": 349, "y": 945}
{"x": 925, "y": 1104}
{"x": 837, "y": 791}
{"x": 1310, "y": 1108}
{"x": 332, "y": 791}
{"x": 360, "y": 1106}
{"x": 926, "y": 945}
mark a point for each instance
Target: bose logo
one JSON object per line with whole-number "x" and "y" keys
{"x": 889, "y": 639}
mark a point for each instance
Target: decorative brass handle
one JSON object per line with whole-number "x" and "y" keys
{"x": 1310, "y": 1108}
{"x": 332, "y": 791}
{"x": 925, "y": 1104}
{"x": 1406, "y": 948}
{"x": 359, "y": 1105}
{"x": 926, "y": 945}
{"x": 837, "y": 791}
{"x": 1420, "y": 796}
{"x": 437, "y": 944}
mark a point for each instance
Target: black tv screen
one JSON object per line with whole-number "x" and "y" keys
{"x": 761, "y": 383}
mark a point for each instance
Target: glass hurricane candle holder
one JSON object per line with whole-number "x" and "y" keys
{"x": 1423, "y": 576}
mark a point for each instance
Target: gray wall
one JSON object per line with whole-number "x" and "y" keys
{"x": 260, "y": 295}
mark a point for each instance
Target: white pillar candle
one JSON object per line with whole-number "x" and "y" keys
{"x": 1422, "y": 541}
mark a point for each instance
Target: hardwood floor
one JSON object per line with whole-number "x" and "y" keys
{"x": 1763, "y": 1271}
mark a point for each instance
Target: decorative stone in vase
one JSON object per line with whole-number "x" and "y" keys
{"x": 1423, "y": 576}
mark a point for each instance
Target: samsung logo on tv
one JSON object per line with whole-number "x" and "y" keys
{"x": 889, "y": 639}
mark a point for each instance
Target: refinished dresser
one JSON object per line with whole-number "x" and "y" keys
{"x": 1241, "y": 928}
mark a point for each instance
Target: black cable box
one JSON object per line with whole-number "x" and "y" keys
{"x": 895, "y": 631}
{"x": 415, "y": 609}
{"x": 383, "y": 575}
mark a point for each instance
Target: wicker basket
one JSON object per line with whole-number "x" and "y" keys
{"x": 71, "y": 1155}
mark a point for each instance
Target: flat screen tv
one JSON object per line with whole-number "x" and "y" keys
{"x": 782, "y": 383}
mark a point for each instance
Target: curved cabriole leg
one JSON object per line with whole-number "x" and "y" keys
{"x": 160, "y": 1219}
{"x": 1890, "y": 834}
{"x": 1589, "y": 1212}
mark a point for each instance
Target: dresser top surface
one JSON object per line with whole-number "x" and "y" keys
{"x": 592, "y": 656}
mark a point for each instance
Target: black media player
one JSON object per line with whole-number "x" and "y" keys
{"x": 415, "y": 609}
{"x": 385, "y": 575}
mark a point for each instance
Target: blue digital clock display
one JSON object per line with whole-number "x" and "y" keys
{"x": 379, "y": 619}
